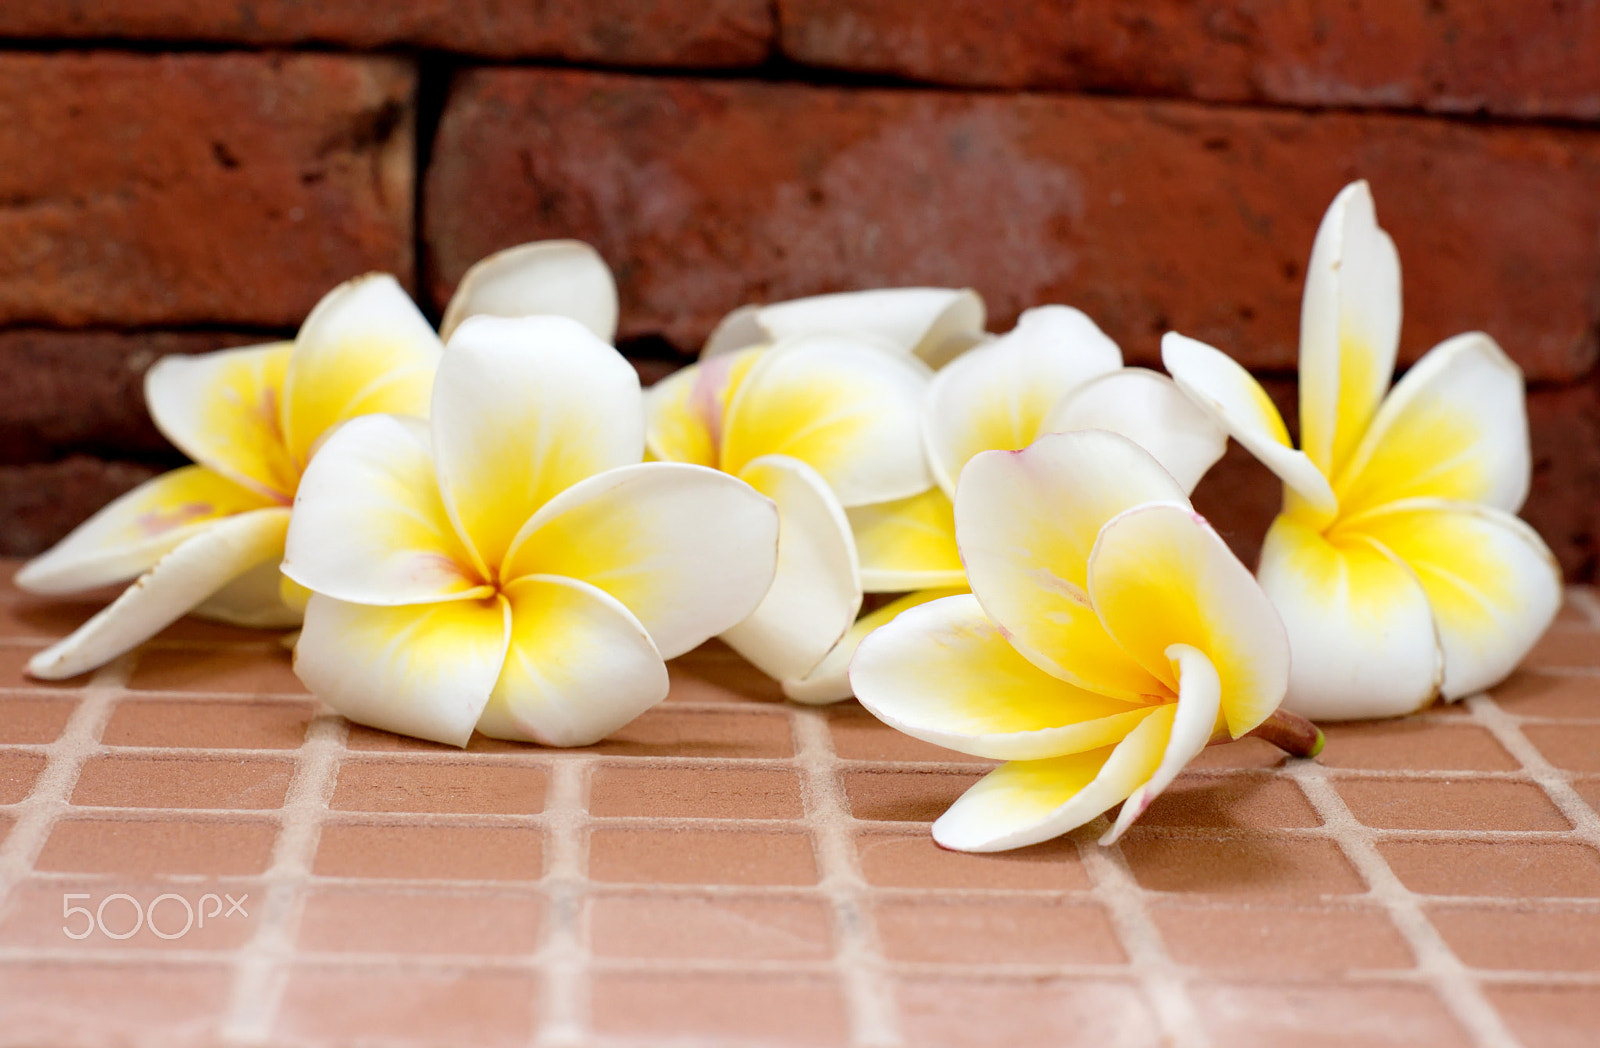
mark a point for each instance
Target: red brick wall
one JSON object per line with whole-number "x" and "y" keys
{"x": 177, "y": 175}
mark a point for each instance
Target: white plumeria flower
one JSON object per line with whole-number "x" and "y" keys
{"x": 207, "y": 538}
{"x": 510, "y": 565}
{"x": 933, "y": 324}
{"x": 824, "y": 424}
{"x": 1110, "y": 636}
{"x": 1397, "y": 563}
{"x": 1054, "y": 372}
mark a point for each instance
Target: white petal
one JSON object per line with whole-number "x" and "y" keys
{"x": 830, "y": 680}
{"x": 1026, "y": 522}
{"x": 253, "y": 600}
{"x": 907, "y": 544}
{"x": 934, "y": 324}
{"x": 738, "y": 330}
{"x": 1361, "y": 635}
{"x": 686, "y": 412}
{"x": 369, "y": 526}
{"x": 224, "y": 410}
{"x": 565, "y": 278}
{"x": 1349, "y": 329}
{"x": 1492, "y": 583}
{"x": 195, "y": 569}
{"x": 1194, "y": 724}
{"x": 1025, "y": 802}
{"x": 942, "y": 672}
{"x": 816, "y": 592}
{"x": 848, "y": 411}
{"x": 365, "y": 349}
{"x": 523, "y": 409}
{"x": 1160, "y": 576}
{"x": 997, "y": 396}
{"x": 689, "y": 551}
{"x": 580, "y": 666}
{"x": 127, "y": 536}
{"x": 424, "y": 669}
{"x": 1150, "y": 410}
{"x": 1224, "y": 390}
{"x": 1455, "y": 427}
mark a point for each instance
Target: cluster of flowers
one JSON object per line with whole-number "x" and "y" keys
{"x": 468, "y": 528}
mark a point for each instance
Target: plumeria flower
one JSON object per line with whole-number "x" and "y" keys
{"x": 208, "y": 537}
{"x": 1397, "y": 563}
{"x": 931, "y": 323}
{"x": 826, "y": 425}
{"x": 510, "y": 565}
{"x": 1055, "y": 372}
{"x": 1110, "y": 636}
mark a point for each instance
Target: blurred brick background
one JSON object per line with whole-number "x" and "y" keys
{"x": 178, "y": 175}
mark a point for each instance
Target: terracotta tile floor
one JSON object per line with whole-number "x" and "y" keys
{"x": 244, "y": 869}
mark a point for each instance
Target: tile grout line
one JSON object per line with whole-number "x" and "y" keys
{"x": 51, "y": 796}
{"x": 1161, "y": 978}
{"x": 1454, "y": 982}
{"x": 261, "y": 970}
{"x": 860, "y": 963}
{"x": 1589, "y": 601}
{"x": 1555, "y": 783}
{"x": 565, "y": 958}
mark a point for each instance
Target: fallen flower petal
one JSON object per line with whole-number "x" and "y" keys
{"x": 1172, "y": 644}
{"x": 253, "y": 417}
{"x": 518, "y": 525}
{"x": 1398, "y": 566}
{"x": 932, "y": 324}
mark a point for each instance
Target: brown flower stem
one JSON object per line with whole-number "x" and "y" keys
{"x": 1292, "y": 734}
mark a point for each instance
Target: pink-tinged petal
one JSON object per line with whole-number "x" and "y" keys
{"x": 522, "y": 410}
{"x": 422, "y": 669}
{"x": 933, "y": 324}
{"x": 1026, "y": 522}
{"x": 224, "y": 410}
{"x": 830, "y": 680}
{"x": 688, "y": 550}
{"x": 1455, "y": 427}
{"x": 1361, "y": 634}
{"x": 685, "y": 412}
{"x": 127, "y": 536}
{"x": 1025, "y": 802}
{"x": 1492, "y": 583}
{"x": 1224, "y": 390}
{"x": 943, "y": 673}
{"x": 369, "y": 525}
{"x": 997, "y": 396}
{"x": 1160, "y": 576}
{"x": 1349, "y": 329}
{"x": 580, "y": 666}
{"x": 845, "y": 409}
{"x": 566, "y": 278}
{"x": 816, "y": 592}
{"x": 196, "y": 568}
{"x": 365, "y": 349}
{"x": 1150, "y": 410}
{"x": 1197, "y": 720}
{"x": 908, "y": 544}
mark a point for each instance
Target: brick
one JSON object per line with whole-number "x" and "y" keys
{"x": 1564, "y": 503}
{"x": 1150, "y": 216}
{"x": 1467, "y": 56}
{"x": 231, "y": 189}
{"x": 41, "y": 502}
{"x": 712, "y": 33}
{"x": 70, "y": 391}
